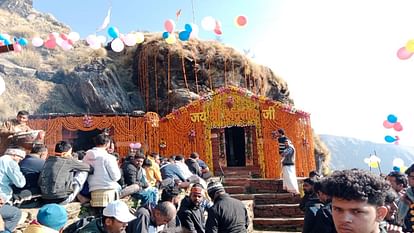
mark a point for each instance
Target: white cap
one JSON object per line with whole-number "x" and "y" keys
{"x": 119, "y": 210}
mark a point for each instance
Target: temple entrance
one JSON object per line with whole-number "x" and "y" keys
{"x": 235, "y": 147}
{"x": 81, "y": 140}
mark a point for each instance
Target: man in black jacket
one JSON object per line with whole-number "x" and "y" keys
{"x": 191, "y": 212}
{"x": 56, "y": 179}
{"x": 227, "y": 215}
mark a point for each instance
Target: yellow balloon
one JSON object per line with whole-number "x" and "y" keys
{"x": 409, "y": 46}
{"x": 374, "y": 164}
{"x": 171, "y": 39}
{"x": 140, "y": 37}
{"x": 402, "y": 169}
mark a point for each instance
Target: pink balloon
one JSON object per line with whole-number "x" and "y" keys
{"x": 218, "y": 31}
{"x": 169, "y": 25}
{"x": 137, "y": 145}
{"x": 131, "y": 145}
{"x": 388, "y": 124}
{"x": 403, "y": 54}
{"x": 50, "y": 44}
{"x": 398, "y": 127}
{"x": 17, "y": 48}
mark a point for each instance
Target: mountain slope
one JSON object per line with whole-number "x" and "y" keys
{"x": 350, "y": 153}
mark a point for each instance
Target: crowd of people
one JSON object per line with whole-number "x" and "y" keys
{"x": 178, "y": 195}
{"x": 170, "y": 194}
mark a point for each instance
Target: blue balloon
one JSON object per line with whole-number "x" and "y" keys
{"x": 397, "y": 169}
{"x": 392, "y": 118}
{"x": 184, "y": 35}
{"x": 165, "y": 35}
{"x": 7, "y": 42}
{"x": 188, "y": 27}
{"x": 389, "y": 139}
{"x": 113, "y": 32}
{"x": 22, "y": 41}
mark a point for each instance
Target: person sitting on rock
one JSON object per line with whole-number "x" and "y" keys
{"x": 10, "y": 174}
{"x": 134, "y": 176}
{"x": 31, "y": 167}
{"x": 57, "y": 178}
{"x": 103, "y": 183}
{"x": 153, "y": 172}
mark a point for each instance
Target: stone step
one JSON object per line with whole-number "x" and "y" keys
{"x": 278, "y": 224}
{"x": 276, "y": 198}
{"x": 268, "y": 198}
{"x": 278, "y": 211}
{"x": 236, "y": 181}
{"x": 235, "y": 190}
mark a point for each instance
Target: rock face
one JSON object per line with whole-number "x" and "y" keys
{"x": 174, "y": 75}
{"x": 21, "y": 7}
{"x": 96, "y": 88}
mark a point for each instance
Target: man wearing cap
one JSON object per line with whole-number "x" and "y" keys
{"x": 51, "y": 218}
{"x": 115, "y": 219}
{"x": 191, "y": 212}
{"x": 228, "y": 214}
{"x": 10, "y": 173}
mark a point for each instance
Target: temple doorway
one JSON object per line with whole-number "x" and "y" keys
{"x": 81, "y": 140}
{"x": 235, "y": 146}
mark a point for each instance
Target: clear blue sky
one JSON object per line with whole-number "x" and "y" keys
{"x": 86, "y": 16}
{"x": 338, "y": 57}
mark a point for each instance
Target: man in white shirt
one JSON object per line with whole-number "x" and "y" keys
{"x": 103, "y": 183}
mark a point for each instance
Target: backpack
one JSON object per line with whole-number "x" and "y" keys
{"x": 78, "y": 225}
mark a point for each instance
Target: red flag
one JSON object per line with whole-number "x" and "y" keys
{"x": 178, "y": 14}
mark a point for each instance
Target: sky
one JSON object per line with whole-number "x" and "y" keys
{"x": 338, "y": 57}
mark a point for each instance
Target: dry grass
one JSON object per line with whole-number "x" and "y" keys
{"x": 27, "y": 58}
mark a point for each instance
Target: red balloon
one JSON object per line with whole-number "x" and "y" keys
{"x": 50, "y": 44}
{"x": 388, "y": 124}
{"x": 63, "y": 36}
{"x": 398, "y": 127}
{"x": 241, "y": 20}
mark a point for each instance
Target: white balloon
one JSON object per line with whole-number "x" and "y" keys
{"x": 194, "y": 32}
{"x": 398, "y": 162}
{"x": 37, "y": 41}
{"x": 95, "y": 45}
{"x": 102, "y": 39}
{"x": 59, "y": 41}
{"x": 74, "y": 36}
{"x": 130, "y": 39}
{"x": 92, "y": 39}
{"x": 208, "y": 23}
{"x": 66, "y": 46}
{"x": 117, "y": 45}
{"x": 2, "y": 85}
